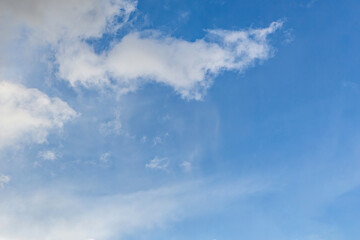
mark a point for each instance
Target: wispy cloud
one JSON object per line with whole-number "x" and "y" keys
{"x": 47, "y": 155}
{"x": 186, "y": 165}
{"x": 60, "y": 215}
{"x": 105, "y": 157}
{"x": 4, "y": 180}
{"x": 111, "y": 127}
{"x": 158, "y": 163}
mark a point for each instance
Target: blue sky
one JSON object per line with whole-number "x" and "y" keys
{"x": 179, "y": 120}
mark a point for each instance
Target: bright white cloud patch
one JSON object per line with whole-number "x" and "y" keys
{"x": 4, "y": 180}
{"x": 186, "y": 66}
{"x": 26, "y": 114}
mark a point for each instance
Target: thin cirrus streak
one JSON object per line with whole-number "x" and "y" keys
{"x": 60, "y": 215}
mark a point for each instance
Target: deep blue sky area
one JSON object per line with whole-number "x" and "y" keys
{"x": 295, "y": 116}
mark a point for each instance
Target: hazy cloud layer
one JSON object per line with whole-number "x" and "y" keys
{"x": 59, "y": 215}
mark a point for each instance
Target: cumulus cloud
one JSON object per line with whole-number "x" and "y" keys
{"x": 28, "y": 115}
{"x": 60, "y": 215}
{"x": 186, "y": 66}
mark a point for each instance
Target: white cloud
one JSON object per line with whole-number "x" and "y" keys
{"x": 60, "y": 215}
{"x": 158, "y": 163}
{"x": 53, "y": 20}
{"x": 47, "y": 155}
{"x": 4, "y": 180}
{"x": 28, "y": 115}
{"x": 186, "y": 66}
{"x": 38, "y": 23}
